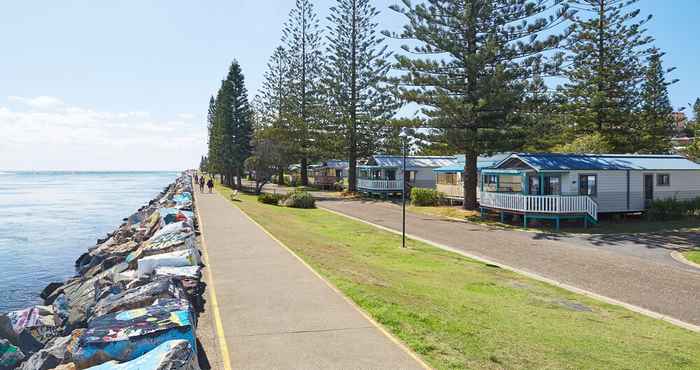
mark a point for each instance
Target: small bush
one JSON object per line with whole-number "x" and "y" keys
{"x": 672, "y": 209}
{"x": 425, "y": 197}
{"x": 269, "y": 198}
{"x": 300, "y": 199}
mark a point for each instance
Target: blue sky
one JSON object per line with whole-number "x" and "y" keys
{"x": 88, "y": 85}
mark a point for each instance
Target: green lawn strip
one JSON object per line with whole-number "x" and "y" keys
{"x": 692, "y": 256}
{"x": 458, "y": 313}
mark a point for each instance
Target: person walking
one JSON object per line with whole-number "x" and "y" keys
{"x": 201, "y": 184}
{"x": 196, "y": 178}
{"x": 210, "y": 185}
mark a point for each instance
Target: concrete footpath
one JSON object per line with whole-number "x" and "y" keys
{"x": 276, "y": 313}
{"x": 661, "y": 285}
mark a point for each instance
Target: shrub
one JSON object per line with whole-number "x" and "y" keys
{"x": 672, "y": 209}
{"x": 425, "y": 197}
{"x": 268, "y": 198}
{"x": 300, "y": 199}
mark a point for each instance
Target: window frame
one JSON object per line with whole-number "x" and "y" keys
{"x": 595, "y": 176}
{"x": 659, "y": 176}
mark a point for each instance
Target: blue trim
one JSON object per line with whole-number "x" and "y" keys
{"x": 542, "y": 185}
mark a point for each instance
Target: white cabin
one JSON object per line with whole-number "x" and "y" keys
{"x": 541, "y": 185}
{"x": 383, "y": 174}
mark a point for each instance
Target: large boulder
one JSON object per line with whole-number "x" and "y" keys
{"x": 55, "y": 353}
{"x": 10, "y": 355}
{"x": 171, "y": 355}
{"x": 138, "y": 297}
{"x": 127, "y": 335}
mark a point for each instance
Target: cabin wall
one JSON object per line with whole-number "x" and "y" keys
{"x": 684, "y": 185}
{"x": 612, "y": 188}
{"x": 425, "y": 178}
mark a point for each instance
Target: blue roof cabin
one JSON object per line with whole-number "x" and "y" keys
{"x": 582, "y": 185}
{"x": 383, "y": 174}
{"x": 449, "y": 180}
{"x": 328, "y": 173}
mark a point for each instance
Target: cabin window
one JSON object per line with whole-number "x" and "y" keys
{"x": 338, "y": 174}
{"x": 663, "y": 179}
{"x": 448, "y": 178}
{"x": 490, "y": 179}
{"x": 588, "y": 185}
{"x": 552, "y": 185}
{"x": 391, "y": 174}
{"x": 376, "y": 175}
{"x": 364, "y": 174}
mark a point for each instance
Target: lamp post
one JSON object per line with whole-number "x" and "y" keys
{"x": 404, "y": 137}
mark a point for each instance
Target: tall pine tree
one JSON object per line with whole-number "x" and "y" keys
{"x": 303, "y": 41}
{"x": 608, "y": 48}
{"x": 214, "y": 142}
{"x": 356, "y": 80}
{"x": 231, "y": 127}
{"x": 470, "y": 66}
{"x": 273, "y": 109}
{"x": 655, "y": 126}
{"x": 241, "y": 124}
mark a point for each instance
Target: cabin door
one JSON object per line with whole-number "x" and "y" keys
{"x": 648, "y": 190}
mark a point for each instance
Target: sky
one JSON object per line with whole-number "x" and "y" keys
{"x": 124, "y": 85}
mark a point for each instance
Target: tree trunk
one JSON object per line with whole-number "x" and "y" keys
{"x": 304, "y": 172}
{"x": 239, "y": 178}
{"x": 352, "y": 155}
{"x": 470, "y": 179}
{"x": 280, "y": 177}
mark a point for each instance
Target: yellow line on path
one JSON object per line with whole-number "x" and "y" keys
{"x": 333, "y": 288}
{"x": 220, "y": 336}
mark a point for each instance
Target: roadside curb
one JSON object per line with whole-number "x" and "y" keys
{"x": 571, "y": 288}
{"x": 374, "y": 323}
{"x": 678, "y": 256}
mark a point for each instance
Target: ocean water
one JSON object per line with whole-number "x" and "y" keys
{"x": 50, "y": 218}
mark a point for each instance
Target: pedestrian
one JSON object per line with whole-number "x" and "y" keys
{"x": 201, "y": 184}
{"x": 210, "y": 185}
{"x": 196, "y": 178}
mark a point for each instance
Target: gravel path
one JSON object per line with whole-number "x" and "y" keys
{"x": 622, "y": 267}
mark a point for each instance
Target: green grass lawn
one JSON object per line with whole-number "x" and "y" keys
{"x": 458, "y": 313}
{"x": 626, "y": 225}
{"x": 693, "y": 256}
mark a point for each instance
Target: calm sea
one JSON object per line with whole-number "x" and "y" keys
{"x": 50, "y": 218}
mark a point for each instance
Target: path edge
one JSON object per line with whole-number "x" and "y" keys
{"x": 678, "y": 256}
{"x": 565, "y": 286}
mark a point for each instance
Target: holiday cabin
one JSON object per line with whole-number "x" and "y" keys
{"x": 383, "y": 174}
{"x": 327, "y": 174}
{"x": 557, "y": 186}
{"x": 449, "y": 180}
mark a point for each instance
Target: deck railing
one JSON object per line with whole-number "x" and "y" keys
{"x": 554, "y": 204}
{"x": 392, "y": 185}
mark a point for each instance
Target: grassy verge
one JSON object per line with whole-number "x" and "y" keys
{"x": 458, "y": 313}
{"x": 627, "y": 225}
{"x": 692, "y": 256}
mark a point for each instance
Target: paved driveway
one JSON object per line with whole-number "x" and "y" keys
{"x": 637, "y": 271}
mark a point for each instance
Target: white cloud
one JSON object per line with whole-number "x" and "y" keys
{"x": 45, "y": 133}
{"x": 40, "y": 102}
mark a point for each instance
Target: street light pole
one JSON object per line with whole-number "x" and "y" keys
{"x": 403, "y": 192}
